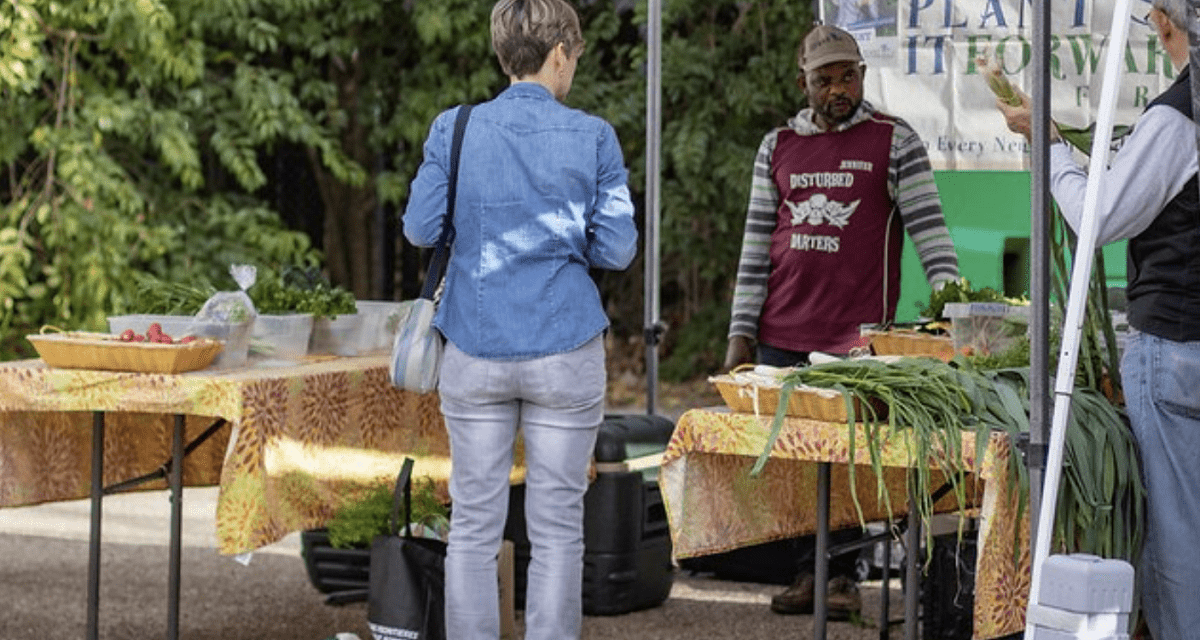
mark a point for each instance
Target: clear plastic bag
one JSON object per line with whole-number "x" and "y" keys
{"x": 233, "y": 307}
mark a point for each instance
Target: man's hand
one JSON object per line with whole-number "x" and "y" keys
{"x": 1019, "y": 118}
{"x": 738, "y": 352}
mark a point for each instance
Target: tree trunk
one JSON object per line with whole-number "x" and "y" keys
{"x": 350, "y": 238}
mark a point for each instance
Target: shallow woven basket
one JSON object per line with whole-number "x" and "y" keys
{"x": 901, "y": 342}
{"x": 815, "y": 404}
{"x": 103, "y": 351}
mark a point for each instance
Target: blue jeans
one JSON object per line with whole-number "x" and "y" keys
{"x": 777, "y": 357}
{"x": 1164, "y": 412}
{"x": 557, "y": 402}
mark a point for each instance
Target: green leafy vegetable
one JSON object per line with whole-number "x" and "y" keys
{"x": 357, "y": 523}
{"x": 300, "y": 290}
{"x": 1100, "y": 506}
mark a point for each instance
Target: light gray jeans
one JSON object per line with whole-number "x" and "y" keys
{"x": 557, "y": 402}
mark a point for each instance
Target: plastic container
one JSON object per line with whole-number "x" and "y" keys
{"x": 282, "y": 336}
{"x": 380, "y": 321}
{"x": 234, "y": 336}
{"x": 986, "y": 328}
{"x": 336, "y": 336}
{"x": 1083, "y": 596}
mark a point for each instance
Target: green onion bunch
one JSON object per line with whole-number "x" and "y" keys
{"x": 1100, "y": 501}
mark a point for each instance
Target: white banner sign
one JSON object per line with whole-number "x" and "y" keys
{"x": 922, "y": 66}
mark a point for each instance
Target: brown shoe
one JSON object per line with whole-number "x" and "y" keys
{"x": 797, "y": 599}
{"x": 844, "y": 599}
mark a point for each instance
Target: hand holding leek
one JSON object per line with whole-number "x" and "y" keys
{"x": 1011, "y": 101}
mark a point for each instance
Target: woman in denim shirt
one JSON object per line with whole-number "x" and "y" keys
{"x": 542, "y": 198}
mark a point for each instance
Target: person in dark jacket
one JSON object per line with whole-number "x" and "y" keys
{"x": 1150, "y": 197}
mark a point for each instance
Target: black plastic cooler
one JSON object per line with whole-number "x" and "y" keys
{"x": 627, "y": 543}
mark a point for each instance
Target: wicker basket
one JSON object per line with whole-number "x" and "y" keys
{"x": 902, "y": 342}
{"x": 103, "y": 351}
{"x": 815, "y": 404}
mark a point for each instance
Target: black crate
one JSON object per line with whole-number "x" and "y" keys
{"x": 948, "y": 591}
{"x": 333, "y": 570}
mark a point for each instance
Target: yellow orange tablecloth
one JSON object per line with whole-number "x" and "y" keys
{"x": 714, "y": 504}
{"x": 300, "y": 439}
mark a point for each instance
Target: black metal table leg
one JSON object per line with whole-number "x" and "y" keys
{"x": 93, "y": 595}
{"x": 912, "y": 577}
{"x": 176, "y": 486}
{"x": 821, "y": 557}
{"x": 885, "y": 594}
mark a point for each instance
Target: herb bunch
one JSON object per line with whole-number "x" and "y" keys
{"x": 300, "y": 290}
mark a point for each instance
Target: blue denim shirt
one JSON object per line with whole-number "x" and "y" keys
{"x": 542, "y": 197}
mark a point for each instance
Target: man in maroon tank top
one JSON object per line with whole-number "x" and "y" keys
{"x": 833, "y": 192}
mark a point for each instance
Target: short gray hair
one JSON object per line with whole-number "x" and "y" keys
{"x": 1176, "y": 10}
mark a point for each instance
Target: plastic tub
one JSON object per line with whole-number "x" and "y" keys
{"x": 381, "y": 319}
{"x": 985, "y": 328}
{"x": 283, "y": 335}
{"x": 235, "y": 337}
{"x": 337, "y": 336}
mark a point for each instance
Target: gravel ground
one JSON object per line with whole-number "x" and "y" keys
{"x": 43, "y": 586}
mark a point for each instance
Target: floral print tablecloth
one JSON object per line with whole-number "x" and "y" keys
{"x": 714, "y": 504}
{"x": 300, "y": 440}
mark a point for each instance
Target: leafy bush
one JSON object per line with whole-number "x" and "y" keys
{"x": 136, "y": 135}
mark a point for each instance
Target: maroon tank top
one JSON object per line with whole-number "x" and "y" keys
{"x": 835, "y": 251}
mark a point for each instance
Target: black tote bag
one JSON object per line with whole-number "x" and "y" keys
{"x": 406, "y": 589}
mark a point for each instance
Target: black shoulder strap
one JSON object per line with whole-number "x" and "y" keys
{"x": 437, "y": 266}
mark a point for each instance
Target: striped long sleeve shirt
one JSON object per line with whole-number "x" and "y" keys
{"x": 910, "y": 185}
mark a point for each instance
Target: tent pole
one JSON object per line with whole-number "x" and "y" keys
{"x": 1039, "y": 273}
{"x": 653, "y": 326}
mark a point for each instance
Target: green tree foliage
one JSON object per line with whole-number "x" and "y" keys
{"x": 131, "y": 142}
{"x": 728, "y": 77}
{"x": 135, "y": 132}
